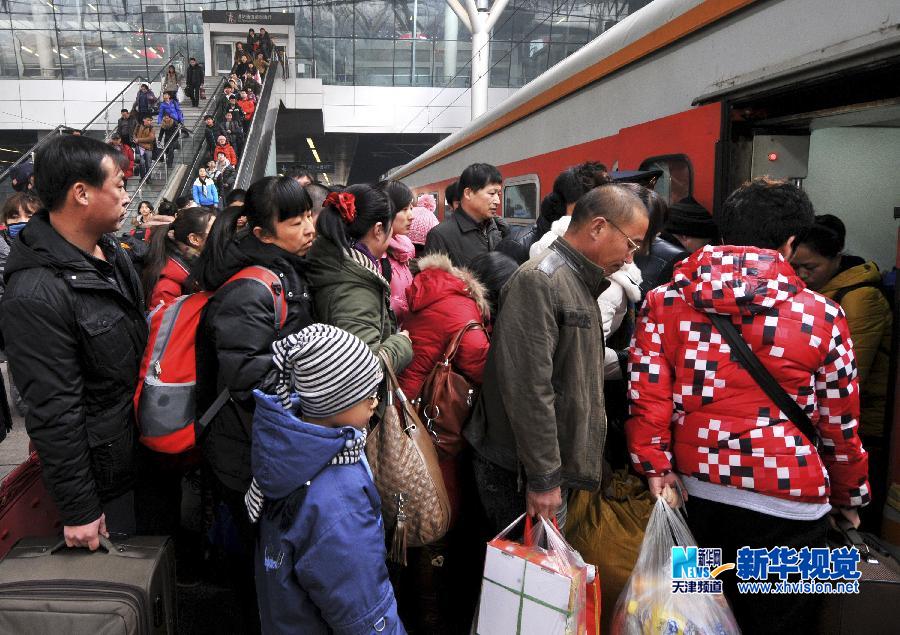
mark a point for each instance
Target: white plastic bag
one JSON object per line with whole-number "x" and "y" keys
{"x": 648, "y": 605}
{"x": 532, "y": 587}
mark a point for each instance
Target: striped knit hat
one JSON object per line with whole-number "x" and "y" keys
{"x": 329, "y": 369}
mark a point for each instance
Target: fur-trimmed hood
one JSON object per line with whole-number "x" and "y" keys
{"x": 438, "y": 277}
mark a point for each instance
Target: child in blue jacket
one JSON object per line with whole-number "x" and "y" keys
{"x": 320, "y": 561}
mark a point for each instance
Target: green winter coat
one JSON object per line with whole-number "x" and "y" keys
{"x": 350, "y": 293}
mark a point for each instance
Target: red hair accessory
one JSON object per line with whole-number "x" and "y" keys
{"x": 344, "y": 203}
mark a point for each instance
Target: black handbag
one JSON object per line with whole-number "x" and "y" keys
{"x": 750, "y": 362}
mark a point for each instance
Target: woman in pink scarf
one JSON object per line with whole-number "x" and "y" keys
{"x": 400, "y": 250}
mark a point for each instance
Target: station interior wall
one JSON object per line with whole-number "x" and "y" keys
{"x": 853, "y": 175}
{"x": 45, "y": 103}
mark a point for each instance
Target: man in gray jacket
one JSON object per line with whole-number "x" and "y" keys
{"x": 541, "y": 406}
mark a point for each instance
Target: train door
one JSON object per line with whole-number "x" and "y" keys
{"x": 837, "y": 136}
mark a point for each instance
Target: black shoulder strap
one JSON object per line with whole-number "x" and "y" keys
{"x": 762, "y": 376}
{"x": 839, "y": 296}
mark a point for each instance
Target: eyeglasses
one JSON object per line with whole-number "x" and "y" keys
{"x": 632, "y": 246}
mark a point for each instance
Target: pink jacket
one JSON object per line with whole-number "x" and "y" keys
{"x": 399, "y": 253}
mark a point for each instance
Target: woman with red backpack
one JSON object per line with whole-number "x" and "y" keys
{"x": 234, "y": 341}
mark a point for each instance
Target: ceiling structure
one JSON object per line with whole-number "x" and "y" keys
{"x": 342, "y": 157}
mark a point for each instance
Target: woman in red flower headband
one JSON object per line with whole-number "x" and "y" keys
{"x": 344, "y": 270}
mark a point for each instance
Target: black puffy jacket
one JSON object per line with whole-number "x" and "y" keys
{"x": 75, "y": 340}
{"x": 234, "y": 347}
{"x": 657, "y": 266}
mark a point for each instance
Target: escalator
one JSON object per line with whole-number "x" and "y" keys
{"x": 258, "y": 156}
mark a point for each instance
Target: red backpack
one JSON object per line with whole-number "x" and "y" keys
{"x": 164, "y": 399}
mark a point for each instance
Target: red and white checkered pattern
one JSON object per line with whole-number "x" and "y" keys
{"x": 697, "y": 411}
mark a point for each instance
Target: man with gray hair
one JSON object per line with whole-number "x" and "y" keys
{"x": 541, "y": 405}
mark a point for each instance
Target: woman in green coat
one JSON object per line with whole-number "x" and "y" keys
{"x": 344, "y": 271}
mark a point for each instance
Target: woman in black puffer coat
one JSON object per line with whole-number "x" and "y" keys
{"x": 237, "y": 329}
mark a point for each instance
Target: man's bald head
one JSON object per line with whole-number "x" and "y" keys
{"x": 613, "y": 202}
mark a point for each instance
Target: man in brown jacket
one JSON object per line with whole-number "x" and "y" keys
{"x": 145, "y": 138}
{"x": 541, "y": 408}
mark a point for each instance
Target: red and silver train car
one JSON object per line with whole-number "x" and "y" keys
{"x": 712, "y": 92}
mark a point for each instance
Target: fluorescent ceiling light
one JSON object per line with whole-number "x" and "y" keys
{"x": 25, "y": 48}
{"x": 316, "y": 156}
{"x": 312, "y": 146}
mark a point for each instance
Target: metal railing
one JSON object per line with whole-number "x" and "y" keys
{"x": 61, "y": 129}
{"x": 138, "y": 79}
{"x": 198, "y": 141}
{"x": 247, "y": 166}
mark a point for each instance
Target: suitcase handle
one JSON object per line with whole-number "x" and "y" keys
{"x": 105, "y": 544}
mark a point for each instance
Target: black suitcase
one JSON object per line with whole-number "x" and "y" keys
{"x": 871, "y": 610}
{"x": 124, "y": 588}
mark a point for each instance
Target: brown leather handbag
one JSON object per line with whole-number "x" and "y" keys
{"x": 446, "y": 399}
{"x": 407, "y": 475}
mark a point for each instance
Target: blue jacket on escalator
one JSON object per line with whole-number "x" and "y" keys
{"x": 205, "y": 192}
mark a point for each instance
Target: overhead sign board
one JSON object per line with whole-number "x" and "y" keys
{"x": 316, "y": 168}
{"x": 250, "y": 18}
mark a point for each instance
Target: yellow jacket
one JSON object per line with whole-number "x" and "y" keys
{"x": 857, "y": 290}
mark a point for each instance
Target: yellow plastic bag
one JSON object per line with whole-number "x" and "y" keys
{"x": 607, "y": 529}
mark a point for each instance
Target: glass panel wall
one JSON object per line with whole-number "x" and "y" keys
{"x": 362, "y": 42}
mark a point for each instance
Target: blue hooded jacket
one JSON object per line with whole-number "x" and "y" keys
{"x": 170, "y": 108}
{"x": 326, "y": 573}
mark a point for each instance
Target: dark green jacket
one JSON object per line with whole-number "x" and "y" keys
{"x": 349, "y": 293}
{"x": 541, "y": 404}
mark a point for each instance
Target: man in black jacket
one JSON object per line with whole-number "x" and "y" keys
{"x": 126, "y": 126}
{"x": 75, "y": 332}
{"x": 194, "y": 81}
{"x": 473, "y": 229}
{"x": 233, "y": 130}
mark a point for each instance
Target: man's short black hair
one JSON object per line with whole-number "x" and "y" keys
{"x": 296, "y": 172}
{"x": 764, "y": 213}
{"x": 193, "y": 59}
{"x": 318, "y": 192}
{"x": 477, "y": 177}
{"x": 67, "y": 159}
{"x": 125, "y": 110}
{"x": 182, "y": 201}
{"x": 451, "y": 193}
{"x": 235, "y": 196}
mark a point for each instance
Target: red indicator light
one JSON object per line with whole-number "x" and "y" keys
{"x": 773, "y": 156}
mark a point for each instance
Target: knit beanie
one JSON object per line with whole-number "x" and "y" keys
{"x": 423, "y": 222}
{"x": 328, "y": 368}
{"x": 688, "y": 218}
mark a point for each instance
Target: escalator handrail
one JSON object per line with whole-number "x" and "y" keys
{"x": 218, "y": 105}
{"x": 251, "y": 146}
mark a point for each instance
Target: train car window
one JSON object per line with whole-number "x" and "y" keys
{"x": 520, "y": 197}
{"x": 677, "y": 180}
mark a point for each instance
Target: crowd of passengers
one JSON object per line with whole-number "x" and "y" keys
{"x": 591, "y": 349}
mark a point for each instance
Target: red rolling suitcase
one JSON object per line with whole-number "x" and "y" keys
{"x": 26, "y": 508}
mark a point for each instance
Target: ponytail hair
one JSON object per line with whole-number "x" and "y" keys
{"x": 349, "y": 215}
{"x": 164, "y": 242}
{"x": 268, "y": 201}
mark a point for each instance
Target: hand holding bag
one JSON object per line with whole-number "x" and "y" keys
{"x": 446, "y": 399}
{"x": 405, "y": 466}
